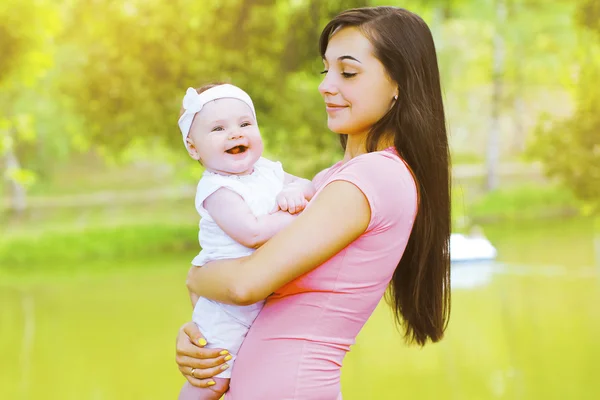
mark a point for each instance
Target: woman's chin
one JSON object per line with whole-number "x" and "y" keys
{"x": 339, "y": 127}
{"x": 335, "y": 128}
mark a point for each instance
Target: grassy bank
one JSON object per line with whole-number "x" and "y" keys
{"x": 69, "y": 250}
{"x": 68, "y": 239}
{"x": 524, "y": 202}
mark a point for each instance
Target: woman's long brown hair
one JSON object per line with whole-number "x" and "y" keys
{"x": 420, "y": 288}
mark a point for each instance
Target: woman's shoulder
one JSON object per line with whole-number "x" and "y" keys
{"x": 377, "y": 157}
{"x": 382, "y": 164}
{"x": 322, "y": 175}
{"x": 385, "y": 180}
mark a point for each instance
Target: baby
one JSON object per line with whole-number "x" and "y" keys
{"x": 243, "y": 200}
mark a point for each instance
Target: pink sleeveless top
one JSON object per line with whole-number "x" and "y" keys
{"x": 295, "y": 348}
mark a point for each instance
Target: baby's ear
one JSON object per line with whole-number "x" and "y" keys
{"x": 191, "y": 148}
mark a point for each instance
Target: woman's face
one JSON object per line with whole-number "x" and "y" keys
{"x": 356, "y": 88}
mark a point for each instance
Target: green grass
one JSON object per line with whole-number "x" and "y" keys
{"x": 68, "y": 237}
{"x": 72, "y": 249}
{"x": 524, "y": 202}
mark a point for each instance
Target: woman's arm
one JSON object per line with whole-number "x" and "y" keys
{"x": 335, "y": 218}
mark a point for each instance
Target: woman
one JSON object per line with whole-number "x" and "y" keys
{"x": 380, "y": 218}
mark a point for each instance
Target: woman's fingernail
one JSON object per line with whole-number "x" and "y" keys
{"x": 224, "y": 367}
{"x": 211, "y": 383}
{"x": 202, "y": 341}
{"x": 224, "y": 353}
{"x": 228, "y": 358}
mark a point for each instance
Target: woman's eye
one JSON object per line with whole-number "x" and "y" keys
{"x": 324, "y": 71}
{"x": 348, "y": 74}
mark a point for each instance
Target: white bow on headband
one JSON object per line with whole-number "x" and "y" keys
{"x": 194, "y": 102}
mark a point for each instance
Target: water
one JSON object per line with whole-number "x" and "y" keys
{"x": 524, "y": 327}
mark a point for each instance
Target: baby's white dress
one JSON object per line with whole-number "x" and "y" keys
{"x": 224, "y": 325}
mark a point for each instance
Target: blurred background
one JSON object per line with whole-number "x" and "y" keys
{"x": 98, "y": 227}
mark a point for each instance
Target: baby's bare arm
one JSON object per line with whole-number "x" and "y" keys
{"x": 233, "y": 215}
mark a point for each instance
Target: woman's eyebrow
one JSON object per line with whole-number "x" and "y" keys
{"x": 346, "y": 57}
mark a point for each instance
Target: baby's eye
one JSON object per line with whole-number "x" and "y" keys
{"x": 245, "y": 124}
{"x": 217, "y": 128}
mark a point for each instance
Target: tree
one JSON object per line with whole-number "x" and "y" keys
{"x": 25, "y": 29}
{"x": 570, "y": 148}
{"x": 133, "y": 68}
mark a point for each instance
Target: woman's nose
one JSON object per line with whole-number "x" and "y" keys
{"x": 327, "y": 86}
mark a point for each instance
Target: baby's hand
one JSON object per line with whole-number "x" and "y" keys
{"x": 291, "y": 199}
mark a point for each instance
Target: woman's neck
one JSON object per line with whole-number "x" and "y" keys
{"x": 357, "y": 145}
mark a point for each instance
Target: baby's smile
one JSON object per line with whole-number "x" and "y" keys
{"x": 237, "y": 149}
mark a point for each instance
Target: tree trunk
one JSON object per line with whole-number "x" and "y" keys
{"x": 17, "y": 191}
{"x": 519, "y": 139}
{"x": 597, "y": 240}
{"x": 493, "y": 145}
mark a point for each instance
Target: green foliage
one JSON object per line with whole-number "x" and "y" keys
{"x": 106, "y": 76}
{"x": 570, "y": 148}
{"x": 136, "y": 66}
{"x": 27, "y": 28}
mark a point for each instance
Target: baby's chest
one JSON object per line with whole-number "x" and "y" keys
{"x": 261, "y": 196}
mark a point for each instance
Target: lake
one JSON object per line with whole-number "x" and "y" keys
{"x": 526, "y": 326}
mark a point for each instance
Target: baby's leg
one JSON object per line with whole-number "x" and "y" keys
{"x": 214, "y": 392}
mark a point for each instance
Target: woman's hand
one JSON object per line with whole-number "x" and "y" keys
{"x": 196, "y": 363}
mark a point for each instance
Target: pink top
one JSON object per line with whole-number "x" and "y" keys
{"x": 295, "y": 348}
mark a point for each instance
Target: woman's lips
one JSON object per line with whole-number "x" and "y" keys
{"x": 333, "y": 108}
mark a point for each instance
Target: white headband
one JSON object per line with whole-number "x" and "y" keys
{"x": 194, "y": 102}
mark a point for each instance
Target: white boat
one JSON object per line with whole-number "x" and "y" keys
{"x": 470, "y": 248}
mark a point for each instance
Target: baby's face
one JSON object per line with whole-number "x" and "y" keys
{"x": 224, "y": 136}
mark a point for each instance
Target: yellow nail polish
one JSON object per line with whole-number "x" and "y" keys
{"x": 224, "y": 353}
{"x": 211, "y": 383}
{"x": 224, "y": 367}
{"x": 228, "y": 358}
{"x": 202, "y": 341}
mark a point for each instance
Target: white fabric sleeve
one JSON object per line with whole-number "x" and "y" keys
{"x": 210, "y": 184}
